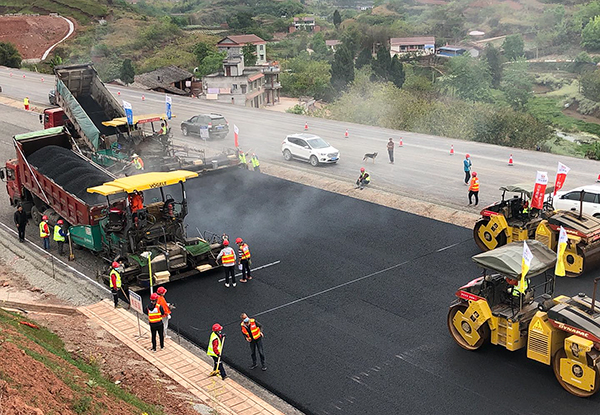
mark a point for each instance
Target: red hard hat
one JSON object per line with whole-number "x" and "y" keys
{"x": 44, "y": 217}
{"x": 239, "y": 241}
{"x": 161, "y": 290}
{"x": 217, "y": 327}
{"x": 362, "y": 169}
{"x": 60, "y": 222}
{"x": 115, "y": 264}
{"x": 474, "y": 174}
{"x": 226, "y": 242}
{"x": 154, "y": 297}
{"x": 467, "y": 155}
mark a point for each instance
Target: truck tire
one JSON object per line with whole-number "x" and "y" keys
{"x": 36, "y": 216}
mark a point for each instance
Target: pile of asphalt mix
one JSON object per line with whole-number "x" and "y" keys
{"x": 70, "y": 171}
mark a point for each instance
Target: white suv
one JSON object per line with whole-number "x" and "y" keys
{"x": 309, "y": 147}
{"x": 570, "y": 200}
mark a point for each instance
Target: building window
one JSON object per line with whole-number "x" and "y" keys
{"x": 262, "y": 57}
{"x": 234, "y": 87}
{"x": 243, "y": 89}
{"x": 262, "y": 47}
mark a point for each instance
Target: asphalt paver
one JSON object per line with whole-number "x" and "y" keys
{"x": 353, "y": 302}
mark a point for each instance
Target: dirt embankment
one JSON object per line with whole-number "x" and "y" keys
{"x": 32, "y": 35}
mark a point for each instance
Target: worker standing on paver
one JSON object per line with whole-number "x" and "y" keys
{"x": 244, "y": 255}
{"x": 163, "y": 129}
{"x": 255, "y": 163}
{"x": 115, "y": 281}
{"x": 390, "y": 149}
{"x": 474, "y": 188}
{"x": 20, "y": 218}
{"x": 363, "y": 180}
{"x": 227, "y": 257}
{"x": 45, "y": 232}
{"x": 59, "y": 236}
{"x": 26, "y": 103}
{"x": 467, "y": 168}
{"x": 155, "y": 316}
{"x": 253, "y": 334}
{"x": 161, "y": 291}
{"x": 215, "y": 348}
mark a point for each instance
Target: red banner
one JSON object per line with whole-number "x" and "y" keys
{"x": 561, "y": 176}
{"x": 236, "y": 133}
{"x": 541, "y": 181}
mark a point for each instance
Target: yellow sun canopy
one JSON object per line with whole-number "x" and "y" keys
{"x": 137, "y": 119}
{"x": 141, "y": 182}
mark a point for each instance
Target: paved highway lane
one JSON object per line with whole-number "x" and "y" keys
{"x": 423, "y": 168}
{"x": 354, "y": 313}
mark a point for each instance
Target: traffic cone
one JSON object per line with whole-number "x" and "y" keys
{"x": 42, "y": 79}
{"x": 598, "y": 179}
{"x": 23, "y": 76}
{"x": 346, "y": 133}
{"x": 510, "y": 160}
{"x": 118, "y": 92}
{"x": 400, "y": 144}
{"x": 451, "y": 150}
{"x": 305, "y": 126}
{"x": 143, "y": 97}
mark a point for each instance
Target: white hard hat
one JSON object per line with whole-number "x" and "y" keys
{"x": 134, "y": 155}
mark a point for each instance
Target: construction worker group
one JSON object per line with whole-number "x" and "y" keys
{"x": 228, "y": 259}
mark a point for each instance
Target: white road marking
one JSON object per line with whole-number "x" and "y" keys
{"x": 447, "y": 247}
{"x": 254, "y": 269}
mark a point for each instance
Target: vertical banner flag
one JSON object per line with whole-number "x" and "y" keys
{"x": 236, "y": 133}
{"x": 561, "y": 175}
{"x": 526, "y": 262}
{"x": 560, "y": 253}
{"x": 168, "y": 102}
{"x": 128, "y": 112}
{"x": 541, "y": 181}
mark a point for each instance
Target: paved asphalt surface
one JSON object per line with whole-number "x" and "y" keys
{"x": 354, "y": 302}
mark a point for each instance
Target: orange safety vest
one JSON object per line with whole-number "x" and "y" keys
{"x": 254, "y": 330}
{"x": 154, "y": 315}
{"x": 244, "y": 251}
{"x": 162, "y": 302}
{"x": 228, "y": 258}
{"x": 474, "y": 184}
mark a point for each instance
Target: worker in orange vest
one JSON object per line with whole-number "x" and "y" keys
{"x": 253, "y": 334}
{"x": 244, "y": 255}
{"x": 474, "y": 188}
{"x": 136, "y": 201}
{"x": 155, "y": 315}
{"x": 227, "y": 257}
{"x": 161, "y": 291}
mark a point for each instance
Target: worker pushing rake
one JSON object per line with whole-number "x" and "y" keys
{"x": 215, "y": 350}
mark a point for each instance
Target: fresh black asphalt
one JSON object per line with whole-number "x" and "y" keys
{"x": 354, "y": 315}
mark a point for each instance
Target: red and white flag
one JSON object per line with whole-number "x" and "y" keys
{"x": 561, "y": 175}
{"x": 236, "y": 132}
{"x": 541, "y": 181}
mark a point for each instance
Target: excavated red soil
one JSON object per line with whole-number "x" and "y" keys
{"x": 32, "y": 35}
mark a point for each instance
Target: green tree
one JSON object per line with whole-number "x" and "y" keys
{"x": 9, "y": 55}
{"x": 202, "y": 50}
{"x": 585, "y": 13}
{"x": 352, "y": 39}
{"x": 494, "y": 61}
{"x": 240, "y": 20}
{"x": 467, "y": 79}
{"x": 382, "y": 65}
{"x": 301, "y": 76}
{"x": 590, "y": 35}
{"x": 212, "y": 63}
{"x": 517, "y": 84}
{"x": 342, "y": 68}
{"x": 513, "y": 46}
{"x": 364, "y": 58}
{"x": 249, "y": 51}
{"x": 396, "y": 74}
{"x": 590, "y": 85}
{"x": 337, "y": 19}
{"x": 127, "y": 71}
{"x": 319, "y": 47}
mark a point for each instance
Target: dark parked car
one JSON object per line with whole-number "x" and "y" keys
{"x": 215, "y": 125}
{"x": 52, "y": 97}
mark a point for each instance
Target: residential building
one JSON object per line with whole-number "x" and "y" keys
{"x": 169, "y": 79}
{"x": 332, "y": 44}
{"x": 424, "y": 45}
{"x": 234, "y": 45}
{"x": 451, "y": 51}
{"x": 307, "y": 23}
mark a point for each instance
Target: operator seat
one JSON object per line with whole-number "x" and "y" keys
{"x": 116, "y": 220}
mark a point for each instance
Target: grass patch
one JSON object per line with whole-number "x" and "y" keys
{"x": 55, "y": 346}
{"x": 548, "y": 109}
